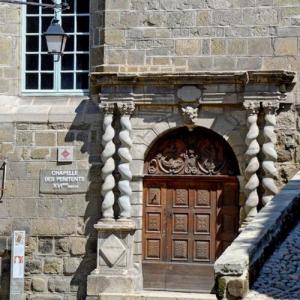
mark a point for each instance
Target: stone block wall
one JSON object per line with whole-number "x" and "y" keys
{"x": 288, "y": 145}
{"x": 10, "y": 49}
{"x": 60, "y": 238}
{"x": 208, "y": 35}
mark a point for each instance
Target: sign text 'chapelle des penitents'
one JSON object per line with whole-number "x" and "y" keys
{"x": 63, "y": 181}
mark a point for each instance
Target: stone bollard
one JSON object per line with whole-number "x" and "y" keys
{"x": 233, "y": 287}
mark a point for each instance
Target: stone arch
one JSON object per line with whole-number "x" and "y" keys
{"x": 213, "y": 148}
{"x": 223, "y": 124}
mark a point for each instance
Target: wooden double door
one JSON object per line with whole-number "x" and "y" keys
{"x": 188, "y": 223}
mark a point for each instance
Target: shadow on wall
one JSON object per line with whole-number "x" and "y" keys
{"x": 86, "y": 130}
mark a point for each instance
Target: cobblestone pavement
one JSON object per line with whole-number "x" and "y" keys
{"x": 280, "y": 276}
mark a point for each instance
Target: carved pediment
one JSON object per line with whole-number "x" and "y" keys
{"x": 191, "y": 153}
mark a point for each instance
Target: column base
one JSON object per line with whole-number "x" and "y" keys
{"x": 109, "y": 283}
{"x": 115, "y": 270}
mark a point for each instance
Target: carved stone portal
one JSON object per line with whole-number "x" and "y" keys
{"x": 200, "y": 152}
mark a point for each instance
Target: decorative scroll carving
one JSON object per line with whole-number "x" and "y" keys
{"x": 252, "y": 181}
{"x": 269, "y": 151}
{"x": 191, "y": 153}
{"x": 109, "y": 164}
{"x": 126, "y": 109}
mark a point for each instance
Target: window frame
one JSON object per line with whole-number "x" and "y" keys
{"x": 56, "y": 91}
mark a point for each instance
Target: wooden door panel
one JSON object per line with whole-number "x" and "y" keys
{"x": 180, "y": 223}
{"x": 153, "y": 222}
{"x": 201, "y": 250}
{"x": 153, "y": 198}
{"x": 153, "y": 249}
{"x": 201, "y": 223}
{"x": 181, "y": 198}
{"x": 187, "y": 224}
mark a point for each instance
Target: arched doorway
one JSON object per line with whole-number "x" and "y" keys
{"x": 191, "y": 209}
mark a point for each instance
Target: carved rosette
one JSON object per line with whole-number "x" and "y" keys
{"x": 109, "y": 150}
{"x": 126, "y": 109}
{"x": 269, "y": 151}
{"x": 253, "y": 148}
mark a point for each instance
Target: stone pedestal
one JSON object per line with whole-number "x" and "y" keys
{"x": 115, "y": 270}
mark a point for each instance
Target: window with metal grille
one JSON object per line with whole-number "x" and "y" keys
{"x": 42, "y": 74}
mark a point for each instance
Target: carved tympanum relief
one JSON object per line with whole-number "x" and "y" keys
{"x": 191, "y": 153}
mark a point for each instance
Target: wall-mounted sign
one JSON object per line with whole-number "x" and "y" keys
{"x": 18, "y": 254}
{"x": 63, "y": 181}
{"x": 65, "y": 154}
{"x": 17, "y": 265}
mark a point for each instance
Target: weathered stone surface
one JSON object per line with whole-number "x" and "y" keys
{"x": 237, "y": 287}
{"x": 45, "y": 297}
{"x": 78, "y": 246}
{"x": 106, "y": 283}
{"x": 45, "y": 139}
{"x": 39, "y": 284}
{"x": 40, "y": 153}
{"x": 54, "y": 226}
{"x": 24, "y": 138}
{"x": 59, "y": 285}
{"x": 286, "y": 46}
{"x": 5, "y": 49}
{"x": 187, "y": 47}
{"x": 260, "y": 46}
{"x": 62, "y": 246}
{"x": 53, "y": 266}
{"x": 189, "y": 93}
{"x": 33, "y": 266}
{"x": 284, "y": 155}
{"x": 45, "y": 246}
{"x": 30, "y": 246}
{"x": 112, "y": 249}
{"x": 71, "y": 265}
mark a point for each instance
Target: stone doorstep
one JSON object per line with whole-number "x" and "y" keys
{"x": 156, "y": 295}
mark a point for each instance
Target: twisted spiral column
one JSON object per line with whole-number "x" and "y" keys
{"x": 253, "y": 148}
{"x": 109, "y": 150}
{"x": 126, "y": 109}
{"x": 269, "y": 151}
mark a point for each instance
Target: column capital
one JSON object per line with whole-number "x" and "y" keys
{"x": 270, "y": 106}
{"x": 126, "y": 108}
{"x": 107, "y": 107}
{"x": 251, "y": 106}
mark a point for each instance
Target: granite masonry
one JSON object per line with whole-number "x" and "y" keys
{"x": 230, "y": 66}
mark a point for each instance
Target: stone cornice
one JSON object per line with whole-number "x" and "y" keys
{"x": 282, "y": 78}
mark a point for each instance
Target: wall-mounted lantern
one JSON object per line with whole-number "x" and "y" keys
{"x": 55, "y": 36}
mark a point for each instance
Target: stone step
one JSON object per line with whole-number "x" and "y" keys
{"x": 156, "y": 295}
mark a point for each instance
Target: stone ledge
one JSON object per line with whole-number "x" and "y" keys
{"x": 115, "y": 225}
{"x": 248, "y": 251}
{"x": 156, "y": 295}
{"x": 277, "y": 77}
{"x": 19, "y": 109}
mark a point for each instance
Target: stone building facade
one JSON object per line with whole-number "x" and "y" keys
{"x": 228, "y": 68}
